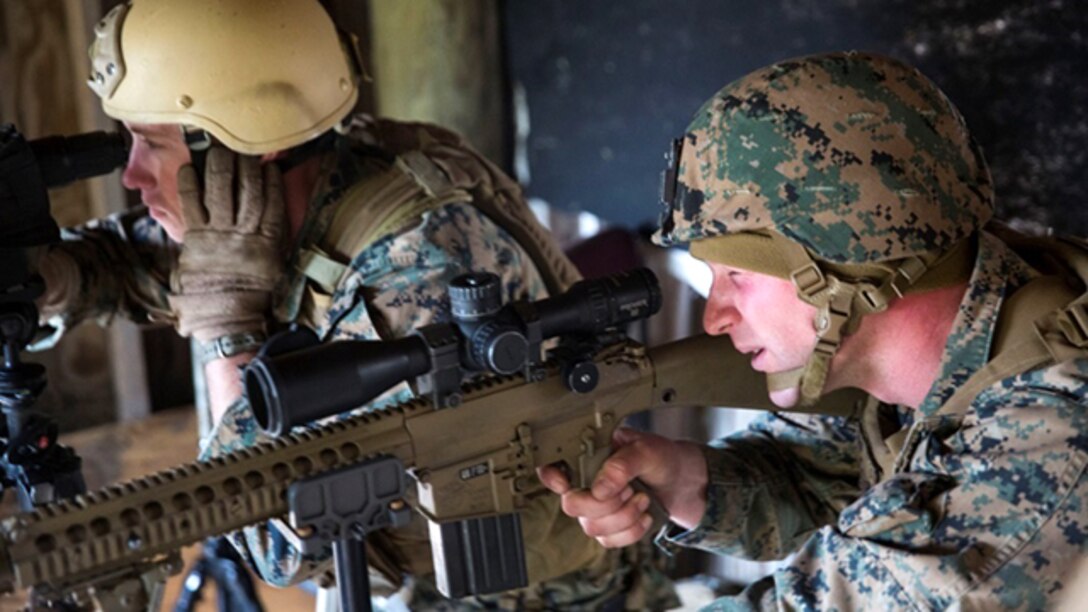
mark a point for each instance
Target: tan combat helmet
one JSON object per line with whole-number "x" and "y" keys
{"x": 259, "y": 75}
{"x": 849, "y": 173}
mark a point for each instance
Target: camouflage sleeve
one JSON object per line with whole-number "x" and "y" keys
{"x": 989, "y": 512}
{"x": 771, "y": 485}
{"x": 397, "y": 285}
{"x": 118, "y": 265}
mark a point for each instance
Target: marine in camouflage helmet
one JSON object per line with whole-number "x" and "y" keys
{"x": 849, "y": 173}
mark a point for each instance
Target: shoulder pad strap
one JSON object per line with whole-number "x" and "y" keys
{"x": 385, "y": 203}
{"x": 1073, "y": 322}
{"x": 382, "y": 204}
{"x": 1024, "y": 340}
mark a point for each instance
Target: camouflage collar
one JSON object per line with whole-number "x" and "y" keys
{"x": 998, "y": 271}
{"x": 339, "y": 169}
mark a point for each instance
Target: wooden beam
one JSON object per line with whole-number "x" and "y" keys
{"x": 441, "y": 61}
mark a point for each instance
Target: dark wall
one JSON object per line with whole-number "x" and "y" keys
{"x": 1017, "y": 70}
{"x": 608, "y": 84}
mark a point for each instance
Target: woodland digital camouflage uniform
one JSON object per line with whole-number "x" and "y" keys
{"x": 395, "y": 285}
{"x": 989, "y": 507}
{"x": 985, "y": 508}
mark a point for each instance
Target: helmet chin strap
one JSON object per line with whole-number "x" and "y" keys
{"x": 781, "y": 381}
{"x": 200, "y": 141}
{"x": 835, "y": 318}
{"x": 840, "y": 304}
{"x": 842, "y": 293}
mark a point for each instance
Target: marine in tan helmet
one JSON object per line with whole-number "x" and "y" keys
{"x": 304, "y": 213}
{"x": 842, "y": 207}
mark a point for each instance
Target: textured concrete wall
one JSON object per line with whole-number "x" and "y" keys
{"x": 1017, "y": 70}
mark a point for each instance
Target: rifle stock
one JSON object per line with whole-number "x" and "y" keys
{"x": 476, "y": 460}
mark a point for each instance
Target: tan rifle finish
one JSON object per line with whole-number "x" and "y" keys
{"x": 477, "y": 459}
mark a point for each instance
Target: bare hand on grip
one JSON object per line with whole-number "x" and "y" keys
{"x": 613, "y": 511}
{"x": 230, "y": 259}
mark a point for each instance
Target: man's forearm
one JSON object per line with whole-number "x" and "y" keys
{"x": 96, "y": 273}
{"x": 754, "y": 508}
{"x": 688, "y": 505}
{"x": 224, "y": 379}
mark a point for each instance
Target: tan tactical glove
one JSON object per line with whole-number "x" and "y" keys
{"x": 230, "y": 259}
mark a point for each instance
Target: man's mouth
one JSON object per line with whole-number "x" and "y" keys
{"x": 155, "y": 207}
{"x": 754, "y": 358}
{"x": 752, "y": 351}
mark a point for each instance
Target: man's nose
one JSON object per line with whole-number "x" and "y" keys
{"x": 136, "y": 175}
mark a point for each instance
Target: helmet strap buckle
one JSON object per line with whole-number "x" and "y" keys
{"x": 908, "y": 273}
{"x": 876, "y": 299}
{"x": 809, "y": 281}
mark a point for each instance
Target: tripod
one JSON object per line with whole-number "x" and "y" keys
{"x": 31, "y": 461}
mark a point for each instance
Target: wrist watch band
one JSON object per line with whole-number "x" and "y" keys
{"x": 231, "y": 345}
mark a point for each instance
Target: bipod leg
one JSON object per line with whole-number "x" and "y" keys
{"x": 352, "y": 574}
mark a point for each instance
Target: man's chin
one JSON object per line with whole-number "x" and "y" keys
{"x": 173, "y": 229}
{"x": 785, "y": 398}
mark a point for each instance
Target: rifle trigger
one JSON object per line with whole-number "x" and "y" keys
{"x": 589, "y": 445}
{"x": 523, "y": 449}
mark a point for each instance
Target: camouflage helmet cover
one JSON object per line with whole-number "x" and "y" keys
{"x": 857, "y": 157}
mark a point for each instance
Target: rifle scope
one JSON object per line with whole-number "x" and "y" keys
{"x": 28, "y": 168}
{"x": 64, "y": 159}
{"x": 296, "y": 387}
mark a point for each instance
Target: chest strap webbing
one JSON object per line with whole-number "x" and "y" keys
{"x": 1028, "y": 341}
{"x": 1024, "y": 338}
